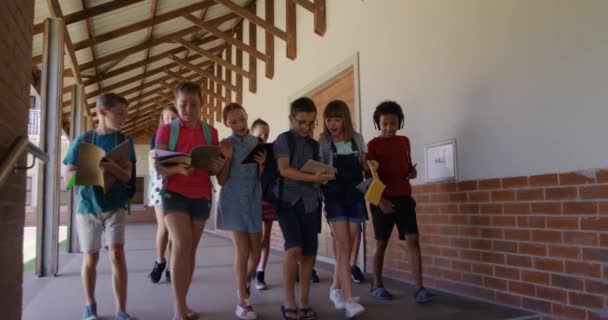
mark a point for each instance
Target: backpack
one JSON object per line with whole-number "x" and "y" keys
{"x": 272, "y": 176}
{"x": 119, "y": 138}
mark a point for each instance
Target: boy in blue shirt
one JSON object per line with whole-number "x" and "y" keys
{"x": 103, "y": 213}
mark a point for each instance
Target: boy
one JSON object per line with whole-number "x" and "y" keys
{"x": 100, "y": 212}
{"x": 298, "y": 198}
{"x": 390, "y": 156}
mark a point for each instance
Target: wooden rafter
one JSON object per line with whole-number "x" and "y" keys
{"x": 307, "y": 4}
{"x": 203, "y": 73}
{"x": 292, "y": 49}
{"x": 212, "y": 57}
{"x": 193, "y": 38}
{"x": 55, "y": 10}
{"x": 220, "y": 34}
{"x": 89, "y": 13}
{"x": 253, "y": 63}
{"x": 269, "y": 41}
{"x": 239, "y": 63}
{"x": 252, "y": 17}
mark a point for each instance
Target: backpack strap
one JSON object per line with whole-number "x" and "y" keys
{"x": 173, "y": 134}
{"x": 207, "y": 132}
{"x": 291, "y": 145}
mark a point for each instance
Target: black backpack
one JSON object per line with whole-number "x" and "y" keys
{"x": 120, "y": 138}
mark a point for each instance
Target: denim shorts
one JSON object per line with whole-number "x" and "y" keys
{"x": 339, "y": 210}
{"x": 299, "y": 228}
{"x": 198, "y": 209}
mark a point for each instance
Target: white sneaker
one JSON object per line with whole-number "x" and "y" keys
{"x": 353, "y": 308}
{"x": 335, "y": 295}
{"x": 245, "y": 311}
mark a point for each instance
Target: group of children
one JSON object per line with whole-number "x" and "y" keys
{"x": 253, "y": 195}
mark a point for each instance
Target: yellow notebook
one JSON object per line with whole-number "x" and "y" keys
{"x": 376, "y": 188}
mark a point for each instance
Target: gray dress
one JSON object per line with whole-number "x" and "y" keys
{"x": 240, "y": 204}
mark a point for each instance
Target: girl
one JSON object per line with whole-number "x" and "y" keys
{"x": 344, "y": 149}
{"x": 240, "y": 202}
{"x": 156, "y": 184}
{"x": 187, "y": 192}
{"x": 261, "y": 130}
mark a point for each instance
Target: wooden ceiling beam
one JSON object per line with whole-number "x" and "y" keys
{"x": 55, "y": 10}
{"x": 89, "y": 13}
{"x": 307, "y": 4}
{"x": 251, "y": 16}
{"x": 203, "y": 73}
{"x": 226, "y": 37}
{"x": 213, "y": 57}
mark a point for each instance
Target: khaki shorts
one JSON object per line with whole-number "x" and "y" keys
{"x": 91, "y": 227}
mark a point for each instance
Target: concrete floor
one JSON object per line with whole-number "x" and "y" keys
{"x": 213, "y": 292}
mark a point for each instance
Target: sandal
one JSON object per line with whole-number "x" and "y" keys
{"x": 307, "y": 314}
{"x": 285, "y": 311}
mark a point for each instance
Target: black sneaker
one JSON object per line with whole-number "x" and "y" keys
{"x": 356, "y": 274}
{"x": 315, "y": 277}
{"x": 168, "y": 275}
{"x": 260, "y": 284}
{"x": 157, "y": 271}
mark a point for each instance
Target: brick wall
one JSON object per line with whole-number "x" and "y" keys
{"x": 16, "y": 27}
{"x": 537, "y": 242}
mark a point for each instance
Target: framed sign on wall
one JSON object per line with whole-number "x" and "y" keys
{"x": 440, "y": 161}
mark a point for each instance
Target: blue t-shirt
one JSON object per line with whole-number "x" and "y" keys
{"x": 92, "y": 199}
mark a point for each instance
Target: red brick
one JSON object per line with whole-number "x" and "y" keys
{"x": 516, "y": 208}
{"x": 491, "y": 209}
{"x": 461, "y": 266}
{"x": 533, "y": 249}
{"x": 495, "y": 283}
{"x": 601, "y": 176}
{"x": 597, "y": 287}
{"x": 459, "y": 243}
{"x": 481, "y": 244}
{"x": 491, "y": 257}
{"x": 530, "y": 194}
{"x": 594, "y": 192}
{"x": 569, "y": 223}
{"x": 514, "y": 182}
{"x": 536, "y": 222}
{"x": 586, "y": 300}
{"x": 575, "y": 178}
{"x": 468, "y": 208}
{"x": 467, "y": 185}
{"x": 566, "y": 282}
{"x": 515, "y": 234}
{"x": 552, "y": 294}
{"x": 546, "y": 208}
{"x": 448, "y": 208}
{"x": 505, "y": 246}
{"x": 584, "y": 269}
{"x": 521, "y": 288}
{"x": 489, "y": 184}
{"x": 595, "y": 254}
{"x": 439, "y": 198}
{"x": 543, "y": 180}
{"x": 599, "y": 224}
{"x": 536, "y": 305}
{"x": 482, "y": 269}
{"x": 470, "y": 255}
{"x": 568, "y": 312}
{"x": 519, "y": 261}
{"x": 491, "y": 233}
{"x": 504, "y": 221}
{"x": 604, "y": 240}
{"x": 508, "y": 273}
{"x": 603, "y": 207}
{"x": 479, "y": 220}
{"x": 469, "y": 231}
{"x": 502, "y": 195}
{"x": 459, "y": 219}
{"x": 548, "y": 265}
{"x": 580, "y": 208}
{"x": 547, "y": 236}
{"x": 562, "y": 193}
{"x": 564, "y": 252}
{"x": 581, "y": 238}
{"x": 473, "y": 279}
{"x": 508, "y": 299}
{"x": 458, "y": 197}
{"x": 479, "y": 196}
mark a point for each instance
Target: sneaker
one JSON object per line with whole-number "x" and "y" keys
{"x": 353, "y": 308}
{"x": 90, "y": 312}
{"x": 168, "y": 275}
{"x": 259, "y": 281}
{"x": 315, "y": 277}
{"x": 380, "y": 293}
{"x": 157, "y": 271}
{"x": 123, "y": 316}
{"x": 422, "y": 296}
{"x": 356, "y": 274}
{"x": 245, "y": 311}
{"x": 336, "y": 296}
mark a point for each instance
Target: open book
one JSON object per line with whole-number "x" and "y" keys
{"x": 90, "y": 156}
{"x": 200, "y": 157}
{"x": 314, "y": 167}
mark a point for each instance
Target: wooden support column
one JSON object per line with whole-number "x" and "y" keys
{"x": 292, "y": 48}
{"x": 239, "y": 62}
{"x": 320, "y": 17}
{"x": 76, "y": 128}
{"x": 218, "y": 91}
{"x": 50, "y": 142}
{"x": 228, "y": 76}
{"x": 269, "y": 9}
{"x": 253, "y": 62}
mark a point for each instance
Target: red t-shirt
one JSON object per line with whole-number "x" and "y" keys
{"x": 393, "y": 155}
{"x": 196, "y": 185}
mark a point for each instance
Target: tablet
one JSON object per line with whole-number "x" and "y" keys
{"x": 256, "y": 150}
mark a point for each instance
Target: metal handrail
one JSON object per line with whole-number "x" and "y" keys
{"x": 21, "y": 144}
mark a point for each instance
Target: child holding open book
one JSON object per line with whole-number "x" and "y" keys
{"x": 103, "y": 212}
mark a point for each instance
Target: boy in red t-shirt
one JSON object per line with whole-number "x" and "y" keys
{"x": 186, "y": 197}
{"x": 390, "y": 156}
